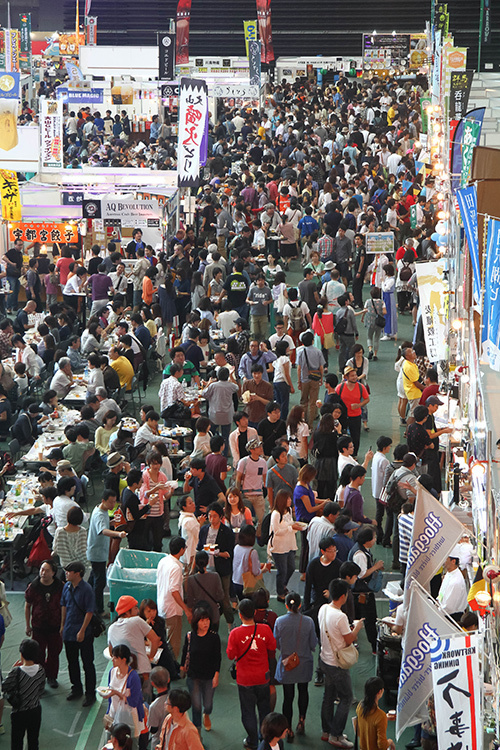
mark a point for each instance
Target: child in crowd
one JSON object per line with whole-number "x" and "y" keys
{"x": 201, "y": 443}
{"x": 21, "y": 378}
{"x": 51, "y": 281}
{"x": 259, "y": 238}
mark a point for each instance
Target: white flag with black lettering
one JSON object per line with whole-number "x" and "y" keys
{"x": 193, "y": 113}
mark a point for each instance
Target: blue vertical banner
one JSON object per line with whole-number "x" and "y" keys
{"x": 491, "y": 305}
{"x": 467, "y": 202}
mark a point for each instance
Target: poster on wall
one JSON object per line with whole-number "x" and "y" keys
{"x": 433, "y": 291}
{"x": 51, "y": 133}
{"x": 193, "y": 113}
{"x": 30, "y": 231}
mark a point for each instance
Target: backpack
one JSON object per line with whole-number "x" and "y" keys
{"x": 265, "y": 530}
{"x": 297, "y": 318}
{"x": 390, "y": 494}
{"x": 406, "y": 273}
{"x": 341, "y": 324}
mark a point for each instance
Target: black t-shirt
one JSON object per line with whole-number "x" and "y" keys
{"x": 430, "y": 424}
{"x": 418, "y": 438}
{"x": 242, "y": 443}
{"x": 94, "y": 264}
{"x": 205, "y": 491}
{"x": 43, "y": 264}
{"x": 15, "y": 256}
{"x": 111, "y": 379}
{"x": 236, "y": 287}
{"x": 21, "y": 320}
{"x": 332, "y": 219}
{"x": 270, "y": 432}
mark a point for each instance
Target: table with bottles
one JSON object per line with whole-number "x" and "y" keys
{"x": 78, "y": 392}
{"x": 53, "y": 434}
{"x": 20, "y": 494}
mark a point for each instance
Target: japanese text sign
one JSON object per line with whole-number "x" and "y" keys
{"x": 467, "y": 201}
{"x": 193, "y": 110}
{"x": 166, "y": 56}
{"x": 460, "y": 84}
{"x": 44, "y": 232}
{"x": 432, "y": 289}
{"x": 9, "y": 194}
{"x": 491, "y": 304}
{"x": 51, "y": 133}
{"x": 250, "y": 32}
{"x": 470, "y": 138}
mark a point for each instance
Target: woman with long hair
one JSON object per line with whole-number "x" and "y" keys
{"x": 373, "y": 307}
{"x": 371, "y": 720}
{"x": 297, "y": 431}
{"x": 104, "y": 432}
{"x": 306, "y": 507}
{"x": 154, "y": 485}
{"x": 282, "y": 543}
{"x": 361, "y": 365}
{"x": 246, "y": 559}
{"x": 148, "y": 610}
{"x": 200, "y": 662}
{"x": 326, "y": 453}
{"x": 197, "y": 290}
{"x": 125, "y": 701}
{"x": 295, "y": 633}
{"x": 323, "y": 326}
{"x": 344, "y": 481}
{"x": 282, "y": 382}
{"x": 236, "y": 513}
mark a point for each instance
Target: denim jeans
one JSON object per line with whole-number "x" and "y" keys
{"x": 337, "y": 685}
{"x": 253, "y": 697}
{"x": 224, "y": 430}
{"x": 285, "y": 565}
{"x": 85, "y": 651}
{"x": 282, "y": 397}
{"x": 97, "y": 580}
{"x": 202, "y": 698}
{"x": 15, "y": 285}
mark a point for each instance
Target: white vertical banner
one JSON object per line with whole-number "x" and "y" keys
{"x": 193, "y": 116}
{"x": 51, "y": 133}
{"x": 457, "y": 684}
{"x": 434, "y": 303}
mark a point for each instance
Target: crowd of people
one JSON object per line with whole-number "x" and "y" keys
{"x": 284, "y": 379}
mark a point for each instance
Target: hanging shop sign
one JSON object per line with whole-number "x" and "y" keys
{"x": 9, "y": 97}
{"x": 2, "y": 49}
{"x": 236, "y": 91}
{"x": 25, "y": 40}
{"x": 182, "y": 32}
{"x": 193, "y": 114}
{"x": 456, "y": 679}
{"x": 11, "y": 50}
{"x": 460, "y": 85}
{"x": 254, "y": 62}
{"x": 51, "y": 133}
{"x": 9, "y": 195}
{"x": 380, "y": 242}
{"x": 68, "y": 44}
{"x": 91, "y": 27}
{"x": 169, "y": 90}
{"x": 265, "y": 30}
{"x": 128, "y": 210}
{"x": 80, "y": 96}
{"x": 418, "y": 51}
{"x": 166, "y": 56}
{"x": 433, "y": 292}
{"x": 470, "y": 139}
{"x": 43, "y": 232}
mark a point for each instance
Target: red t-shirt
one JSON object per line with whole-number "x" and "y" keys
{"x": 430, "y": 390}
{"x": 402, "y": 250}
{"x": 351, "y": 396}
{"x": 253, "y": 668}
{"x": 62, "y": 266}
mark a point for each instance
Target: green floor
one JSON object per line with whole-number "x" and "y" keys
{"x": 68, "y": 726}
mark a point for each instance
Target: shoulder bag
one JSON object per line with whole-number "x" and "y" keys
{"x": 252, "y": 583}
{"x": 96, "y": 625}
{"x": 379, "y": 319}
{"x": 202, "y": 587}
{"x": 293, "y": 661}
{"x": 232, "y": 668}
{"x": 314, "y": 373}
{"x": 347, "y": 656}
{"x": 328, "y": 340}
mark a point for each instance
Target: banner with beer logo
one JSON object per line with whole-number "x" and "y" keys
{"x": 457, "y": 683}
{"x": 43, "y": 232}
{"x": 51, "y": 133}
{"x": 460, "y": 85}
{"x": 11, "y": 50}
{"x": 9, "y": 194}
{"x": 193, "y": 112}
{"x": 491, "y": 301}
{"x": 435, "y": 532}
{"x": 467, "y": 202}
{"x": 425, "y": 623}
{"x": 182, "y": 32}
{"x": 250, "y": 33}
{"x": 25, "y": 39}
{"x": 432, "y": 289}
{"x": 9, "y": 98}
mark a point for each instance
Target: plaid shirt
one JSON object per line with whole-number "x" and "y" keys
{"x": 325, "y": 247}
{"x": 5, "y": 345}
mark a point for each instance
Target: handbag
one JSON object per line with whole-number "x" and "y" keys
{"x": 293, "y": 661}
{"x": 328, "y": 340}
{"x": 97, "y": 625}
{"x": 232, "y": 668}
{"x": 314, "y": 373}
{"x": 347, "y": 656}
{"x": 108, "y": 720}
{"x": 379, "y": 319}
{"x": 251, "y": 582}
{"x": 13, "y": 694}
{"x": 376, "y": 581}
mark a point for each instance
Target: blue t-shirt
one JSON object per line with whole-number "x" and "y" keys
{"x": 301, "y": 514}
{"x": 78, "y": 601}
{"x": 307, "y": 226}
{"x": 97, "y": 542}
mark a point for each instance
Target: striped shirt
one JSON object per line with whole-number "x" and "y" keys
{"x": 405, "y": 528}
{"x": 31, "y": 685}
{"x": 70, "y": 546}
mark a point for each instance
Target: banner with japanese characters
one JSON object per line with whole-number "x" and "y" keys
{"x": 183, "y": 20}
{"x": 51, "y": 133}
{"x": 166, "y": 56}
{"x": 460, "y": 85}
{"x": 425, "y": 622}
{"x": 491, "y": 301}
{"x": 11, "y": 50}
{"x": 435, "y": 532}
{"x": 254, "y": 62}
{"x": 9, "y": 194}
{"x": 9, "y": 102}
{"x": 433, "y": 293}
{"x": 467, "y": 202}
{"x": 193, "y": 111}
{"x": 457, "y": 683}
{"x": 470, "y": 139}
{"x": 25, "y": 40}
{"x": 265, "y": 30}
{"x": 91, "y": 28}
{"x": 44, "y": 232}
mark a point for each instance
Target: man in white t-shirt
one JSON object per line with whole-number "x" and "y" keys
{"x": 332, "y": 290}
{"x": 346, "y": 449}
{"x": 335, "y": 634}
{"x": 251, "y": 478}
{"x": 170, "y": 595}
{"x": 281, "y": 335}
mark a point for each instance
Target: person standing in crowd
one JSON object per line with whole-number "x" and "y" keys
{"x": 251, "y": 479}
{"x": 217, "y": 534}
{"x": 380, "y": 462}
{"x": 281, "y": 474}
{"x": 282, "y": 543}
{"x": 354, "y": 396}
{"x": 371, "y": 720}
{"x": 310, "y": 365}
{"x": 205, "y": 585}
{"x": 178, "y": 732}
{"x": 453, "y": 591}
{"x": 364, "y": 596}
{"x": 98, "y": 543}
{"x": 345, "y": 328}
{"x": 27, "y": 681}
{"x": 170, "y": 593}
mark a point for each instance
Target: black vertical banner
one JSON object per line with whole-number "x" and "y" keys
{"x": 166, "y": 56}
{"x": 460, "y": 85}
{"x": 487, "y": 22}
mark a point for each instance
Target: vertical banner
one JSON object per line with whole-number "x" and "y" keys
{"x": 10, "y": 84}
{"x": 250, "y": 33}
{"x": 9, "y": 194}
{"x": 413, "y": 216}
{"x": 425, "y": 101}
{"x": 433, "y": 290}
{"x": 470, "y": 139}
{"x": 425, "y": 622}
{"x": 166, "y": 56}
{"x": 25, "y": 40}
{"x": 11, "y": 50}
{"x": 51, "y": 133}
{"x": 254, "y": 62}
{"x": 491, "y": 304}
{"x": 454, "y": 59}
{"x": 456, "y": 159}
{"x": 182, "y": 32}
{"x": 265, "y": 30}
{"x": 74, "y": 72}
{"x": 436, "y": 69}
{"x": 91, "y": 28}
{"x": 467, "y": 202}
{"x": 2, "y": 50}
{"x": 457, "y": 683}
{"x": 193, "y": 110}
{"x": 460, "y": 85}
{"x": 486, "y": 22}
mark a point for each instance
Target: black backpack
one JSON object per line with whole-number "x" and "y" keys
{"x": 341, "y": 324}
{"x": 265, "y": 530}
{"x": 406, "y": 273}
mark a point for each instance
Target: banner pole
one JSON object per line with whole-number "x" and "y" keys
{"x": 480, "y": 40}
{"x": 483, "y": 274}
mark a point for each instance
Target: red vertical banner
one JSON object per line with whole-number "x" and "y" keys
{"x": 265, "y": 30}
{"x": 182, "y": 32}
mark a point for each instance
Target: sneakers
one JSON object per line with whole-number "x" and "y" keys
{"x": 206, "y": 722}
{"x": 370, "y": 355}
{"x": 74, "y": 695}
{"x": 386, "y": 338}
{"x": 319, "y": 680}
{"x": 52, "y": 682}
{"x": 340, "y": 741}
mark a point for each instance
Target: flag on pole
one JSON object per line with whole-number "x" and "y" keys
{"x": 88, "y": 3}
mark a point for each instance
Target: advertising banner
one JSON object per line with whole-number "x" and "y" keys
{"x": 166, "y": 56}
{"x": 467, "y": 202}
{"x": 433, "y": 289}
{"x": 10, "y": 85}
{"x": 43, "y": 232}
{"x": 51, "y": 133}
{"x": 74, "y": 72}
{"x": 120, "y": 209}
{"x": 9, "y": 195}
{"x": 254, "y": 61}
{"x": 169, "y": 90}
{"x": 68, "y": 43}
{"x": 182, "y": 32}
{"x": 454, "y": 59}
{"x": 265, "y": 30}
{"x": 250, "y": 33}
{"x": 456, "y": 157}
{"x": 25, "y": 40}
{"x": 457, "y": 683}
{"x": 491, "y": 302}
{"x": 379, "y": 242}
{"x": 11, "y": 50}
{"x": 486, "y": 21}
{"x": 91, "y": 27}
{"x": 9, "y": 101}
{"x": 193, "y": 111}
{"x": 460, "y": 85}
{"x": 470, "y": 139}
{"x": 418, "y": 51}
{"x": 236, "y": 91}
{"x": 425, "y": 623}
{"x": 2, "y": 50}
{"x": 425, "y": 101}
{"x": 80, "y": 96}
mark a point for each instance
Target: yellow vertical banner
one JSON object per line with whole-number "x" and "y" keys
{"x": 250, "y": 32}
{"x": 9, "y": 194}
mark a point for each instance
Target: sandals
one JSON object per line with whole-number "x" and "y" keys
{"x": 300, "y": 729}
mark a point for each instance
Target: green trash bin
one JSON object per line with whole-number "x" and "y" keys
{"x": 133, "y": 573}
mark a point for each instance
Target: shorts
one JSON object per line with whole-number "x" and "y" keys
{"x": 344, "y": 270}
{"x": 412, "y": 404}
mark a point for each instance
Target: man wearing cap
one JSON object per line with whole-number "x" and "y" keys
{"x": 344, "y": 528}
{"x": 115, "y": 475}
{"x": 354, "y": 396}
{"x": 98, "y": 541}
{"x": 417, "y": 436}
{"x": 170, "y": 596}
{"x": 77, "y": 610}
{"x": 432, "y": 456}
{"x": 453, "y": 592}
{"x": 251, "y": 478}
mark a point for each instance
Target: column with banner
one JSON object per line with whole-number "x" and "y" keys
{"x": 51, "y": 134}
{"x": 193, "y": 114}
{"x": 25, "y": 40}
{"x": 9, "y": 102}
{"x": 457, "y": 683}
{"x": 491, "y": 301}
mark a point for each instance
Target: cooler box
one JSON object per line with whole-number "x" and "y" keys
{"x": 133, "y": 573}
